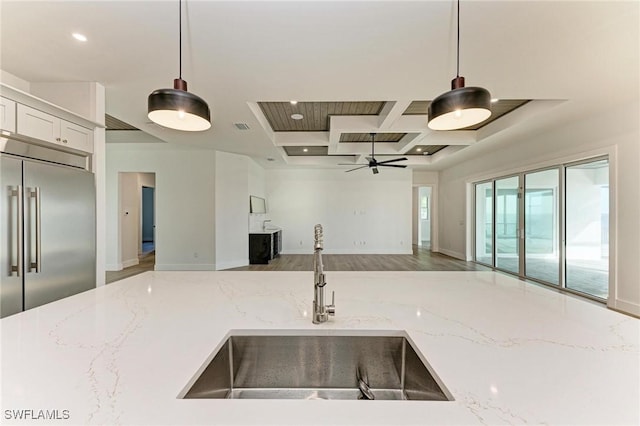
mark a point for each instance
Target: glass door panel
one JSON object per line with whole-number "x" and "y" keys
{"x": 484, "y": 223}
{"x": 507, "y": 219}
{"x": 542, "y": 254}
{"x": 587, "y": 228}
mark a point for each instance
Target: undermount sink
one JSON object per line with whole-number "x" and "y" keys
{"x": 253, "y": 365}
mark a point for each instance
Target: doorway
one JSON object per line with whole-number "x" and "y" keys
{"x": 424, "y": 217}
{"x": 148, "y": 226}
{"x": 137, "y": 241}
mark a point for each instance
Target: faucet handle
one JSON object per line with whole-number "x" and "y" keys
{"x": 331, "y": 309}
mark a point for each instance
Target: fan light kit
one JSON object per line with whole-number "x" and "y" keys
{"x": 177, "y": 108}
{"x": 462, "y": 106}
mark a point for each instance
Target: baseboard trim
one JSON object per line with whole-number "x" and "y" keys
{"x": 350, "y": 251}
{"x": 452, "y": 253}
{"x": 626, "y": 307}
{"x": 130, "y": 262}
{"x": 113, "y": 267}
{"x": 228, "y": 264}
{"x": 185, "y": 267}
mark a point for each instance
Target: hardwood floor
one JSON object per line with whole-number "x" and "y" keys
{"x": 421, "y": 260}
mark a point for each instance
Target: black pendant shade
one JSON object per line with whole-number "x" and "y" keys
{"x": 462, "y": 106}
{"x": 177, "y": 108}
{"x": 459, "y": 108}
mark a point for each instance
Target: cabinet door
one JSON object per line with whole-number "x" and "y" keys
{"x": 7, "y": 115}
{"x": 260, "y": 248}
{"x": 76, "y": 137}
{"x": 38, "y": 125}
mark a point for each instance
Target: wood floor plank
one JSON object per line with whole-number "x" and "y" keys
{"x": 421, "y": 260}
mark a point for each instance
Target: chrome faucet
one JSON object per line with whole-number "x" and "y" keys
{"x": 264, "y": 224}
{"x": 321, "y": 311}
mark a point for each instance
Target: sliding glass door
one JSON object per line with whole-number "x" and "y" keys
{"x": 541, "y": 210}
{"x": 587, "y": 229}
{"x": 484, "y": 223}
{"x": 507, "y": 224}
{"x": 548, "y": 225}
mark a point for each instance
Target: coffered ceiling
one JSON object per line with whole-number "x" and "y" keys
{"x": 354, "y": 67}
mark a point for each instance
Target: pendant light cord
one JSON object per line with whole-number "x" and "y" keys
{"x": 458, "y": 43}
{"x": 180, "y": 35}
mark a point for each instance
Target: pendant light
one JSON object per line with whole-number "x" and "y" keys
{"x": 462, "y": 106}
{"x": 176, "y": 108}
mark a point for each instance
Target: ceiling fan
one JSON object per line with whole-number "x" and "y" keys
{"x": 373, "y": 163}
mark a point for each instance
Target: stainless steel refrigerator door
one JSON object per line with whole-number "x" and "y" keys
{"x": 59, "y": 231}
{"x": 10, "y": 236}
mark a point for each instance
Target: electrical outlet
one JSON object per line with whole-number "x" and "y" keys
{"x": 300, "y": 242}
{"x": 195, "y": 255}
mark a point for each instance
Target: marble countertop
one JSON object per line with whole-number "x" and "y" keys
{"x": 265, "y": 231}
{"x": 509, "y": 352}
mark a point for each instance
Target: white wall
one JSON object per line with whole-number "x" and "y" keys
{"x": 233, "y": 174}
{"x": 360, "y": 212}
{"x": 415, "y": 215}
{"x": 616, "y": 133}
{"x": 257, "y": 187}
{"x": 129, "y": 212}
{"x": 185, "y": 213}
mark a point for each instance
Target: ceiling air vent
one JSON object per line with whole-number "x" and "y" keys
{"x": 241, "y": 126}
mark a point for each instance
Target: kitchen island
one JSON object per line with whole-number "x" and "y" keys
{"x": 508, "y": 351}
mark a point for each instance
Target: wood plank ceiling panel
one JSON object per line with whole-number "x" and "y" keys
{"x": 112, "y": 123}
{"x": 303, "y": 151}
{"x": 366, "y": 137}
{"x": 316, "y": 115}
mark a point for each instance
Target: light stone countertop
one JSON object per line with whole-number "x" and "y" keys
{"x": 265, "y": 231}
{"x": 508, "y": 351}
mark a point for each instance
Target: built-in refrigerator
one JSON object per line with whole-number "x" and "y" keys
{"x": 47, "y": 219}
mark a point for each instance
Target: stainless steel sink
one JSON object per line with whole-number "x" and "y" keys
{"x": 258, "y": 366}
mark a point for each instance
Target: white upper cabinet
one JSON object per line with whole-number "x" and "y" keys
{"x": 7, "y": 115}
{"x": 76, "y": 137}
{"x": 39, "y": 125}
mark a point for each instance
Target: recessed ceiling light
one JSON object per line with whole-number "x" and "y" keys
{"x": 79, "y": 37}
{"x": 305, "y": 150}
{"x": 425, "y": 153}
{"x": 297, "y": 116}
{"x": 419, "y": 149}
{"x": 293, "y": 102}
{"x": 494, "y": 100}
{"x": 271, "y": 159}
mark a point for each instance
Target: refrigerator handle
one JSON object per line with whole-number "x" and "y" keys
{"x": 19, "y": 193}
{"x": 38, "y": 263}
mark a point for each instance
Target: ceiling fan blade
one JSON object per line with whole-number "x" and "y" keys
{"x": 392, "y": 161}
{"x": 392, "y": 165}
{"x": 357, "y": 168}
